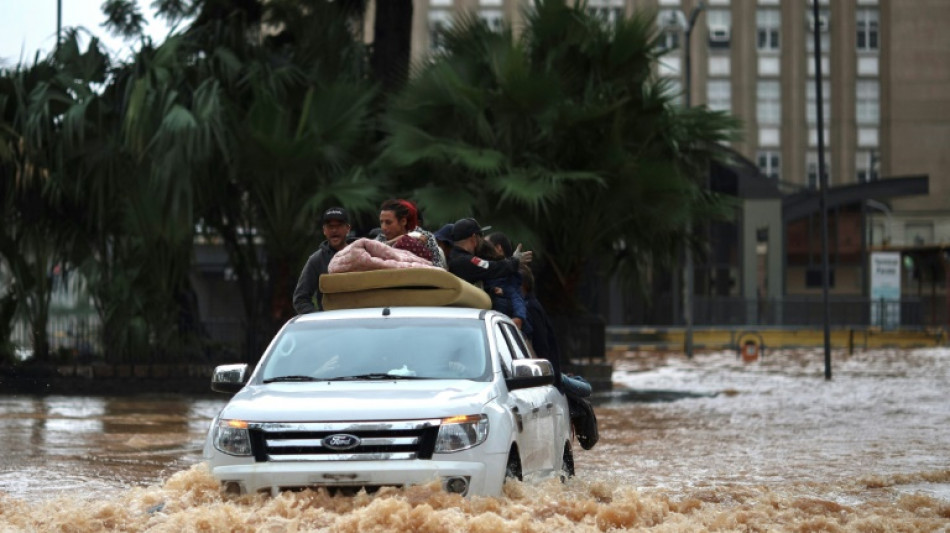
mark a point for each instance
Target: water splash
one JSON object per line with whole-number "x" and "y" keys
{"x": 191, "y": 501}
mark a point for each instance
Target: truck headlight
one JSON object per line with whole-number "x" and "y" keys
{"x": 231, "y": 437}
{"x": 459, "y": 433}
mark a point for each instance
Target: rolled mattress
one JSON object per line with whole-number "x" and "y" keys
{"x": 412, "y": 287}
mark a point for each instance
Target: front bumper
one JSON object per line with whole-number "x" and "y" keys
{"x": 484, "y": 478}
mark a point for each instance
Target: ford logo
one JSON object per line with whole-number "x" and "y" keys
{"x": 341, "y": 442}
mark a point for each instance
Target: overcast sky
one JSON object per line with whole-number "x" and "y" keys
{"x": 30, "y": 25}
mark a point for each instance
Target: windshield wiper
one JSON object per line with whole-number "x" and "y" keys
{"x": 291, "y": 378}
{"x": 377, "y": 375}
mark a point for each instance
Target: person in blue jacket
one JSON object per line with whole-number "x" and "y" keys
{"x": 505, "y": 290}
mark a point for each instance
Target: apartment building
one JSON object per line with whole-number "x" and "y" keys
{"x": 885, "y": 113}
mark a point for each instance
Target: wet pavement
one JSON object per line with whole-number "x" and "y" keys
{"x": 710, "y": 443}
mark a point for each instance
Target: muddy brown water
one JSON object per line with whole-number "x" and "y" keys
{"x": 708, "y": 444}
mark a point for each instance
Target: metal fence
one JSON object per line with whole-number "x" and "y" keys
{"x": 809, "y": 311}
{"x": 77, "y": 336}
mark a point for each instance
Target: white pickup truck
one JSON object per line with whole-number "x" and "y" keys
{"x": 366, "y": 398}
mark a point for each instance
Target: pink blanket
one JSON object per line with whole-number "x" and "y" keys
{"x": 366, "y": 254}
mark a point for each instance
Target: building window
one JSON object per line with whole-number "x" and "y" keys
{"x": 868, "y": 65}
{"x": 866, "y": 166}
{"x": 770, "y": 136}
{"x": 719, "y": 95}
{"x": 868, "y": 137}
{"x": 668, "y": 23}
{"x": 813, "y": 136}
{"x": 768, "y": 102}
{"x": 822, "y": 25}
{"x": 811, "y": 168}
{"x": 719, "y": 65}
{"x": 811, "y": 97}
{"x": 719, "y": 22}
{"x": 769, "y": 165}
{"x": 608, "y": 11}
{"x": 675, "y": 90}
{"x": 868, "y": 31}
{"x": 918, "y": 233}
{"x": 493, "y": 18}
{"x": 867, "y": 102}
{"x": 768, "y": 22}
{"x": 440, "y": 21}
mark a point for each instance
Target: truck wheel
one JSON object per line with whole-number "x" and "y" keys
{"x": 513, "y": 468}
{"x": 567, "y": 463}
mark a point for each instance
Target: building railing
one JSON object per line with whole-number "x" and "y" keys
{"x": 77, "y": 336}
{"x": 74, "y": 334}
{"x": 805, "y": 311}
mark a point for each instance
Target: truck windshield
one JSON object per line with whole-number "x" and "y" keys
{"x": 372, "y": 349}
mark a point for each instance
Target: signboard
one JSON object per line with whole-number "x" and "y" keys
{"x": 886, "y": 289}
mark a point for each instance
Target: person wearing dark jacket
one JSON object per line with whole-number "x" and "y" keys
{"x": 467, "y": 234}
{"x": 539, "y": 330}
{"x": 505, "y": 292}
{"x": 307, "y": 295}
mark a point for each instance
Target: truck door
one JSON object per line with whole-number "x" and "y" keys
{"x": 524, "y": 405}
{"x": 543, "y": 401}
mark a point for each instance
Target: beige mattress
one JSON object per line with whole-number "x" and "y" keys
{"x": 400, "y": 287}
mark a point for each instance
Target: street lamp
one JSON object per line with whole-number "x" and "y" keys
{"x": 59, "y": 22}
{"x": 687, "y": 24}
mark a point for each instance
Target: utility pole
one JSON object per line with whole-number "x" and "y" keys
{"x": 59, "y": 22}
{"x": 689, "y": 274}
{"x": 823, "y": 193}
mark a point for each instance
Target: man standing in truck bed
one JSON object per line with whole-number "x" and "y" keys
{"x": 466, "y": 236}
{"x": 307, "y": 295}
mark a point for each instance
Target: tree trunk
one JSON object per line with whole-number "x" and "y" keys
{"x": 392, "y": 38}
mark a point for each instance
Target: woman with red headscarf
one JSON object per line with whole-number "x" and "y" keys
{"x": 399, "y": 226}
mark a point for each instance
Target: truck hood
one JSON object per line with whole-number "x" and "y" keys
{"x": 358, "y": 401}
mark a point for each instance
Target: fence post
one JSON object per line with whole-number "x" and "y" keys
{"x": 883, "y": 314}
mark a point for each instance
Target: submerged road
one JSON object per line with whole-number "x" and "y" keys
{"x": 707, "y": 443}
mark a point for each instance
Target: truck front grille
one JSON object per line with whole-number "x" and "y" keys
{"x": 328, "y": 441}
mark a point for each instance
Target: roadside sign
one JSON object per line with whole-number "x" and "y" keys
{"x": 886, "y": 289}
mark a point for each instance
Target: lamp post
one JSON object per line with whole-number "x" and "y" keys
{"x": 823, "y": 193}
{"x": 59, "y": 22}
{"x": 687, "y": 23}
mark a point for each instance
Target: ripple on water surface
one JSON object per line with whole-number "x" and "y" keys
{"x": 731, "y": 447}
{"x": 190, "y": 501}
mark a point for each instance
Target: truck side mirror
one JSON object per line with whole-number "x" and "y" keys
{"x": 229, "y": 378}
{"x": 527, "y": 373}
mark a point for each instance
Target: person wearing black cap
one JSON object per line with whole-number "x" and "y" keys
{"x": 336, "y": 227}
{"x": 467, "y": 233}
{"x": 444, "y": 238}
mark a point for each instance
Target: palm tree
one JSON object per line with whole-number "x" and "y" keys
{"x": 266, "y": 130}
{"x": 562, "y": 136}
{"x": 41, "y": 233}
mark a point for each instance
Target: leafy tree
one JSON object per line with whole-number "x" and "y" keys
{"x": 267, "y": 127}
{"x": 563, "y": 137}
{"x": 41, "y": 230}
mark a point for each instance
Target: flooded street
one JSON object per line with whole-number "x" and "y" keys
{"x": 705, "y": 444}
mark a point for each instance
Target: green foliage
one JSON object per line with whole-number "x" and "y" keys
{"x": 215, "y": 127}
{"x": 559, "y": 135}
{"x": 562, "y": 137}
{"x": 40, "y": 209}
